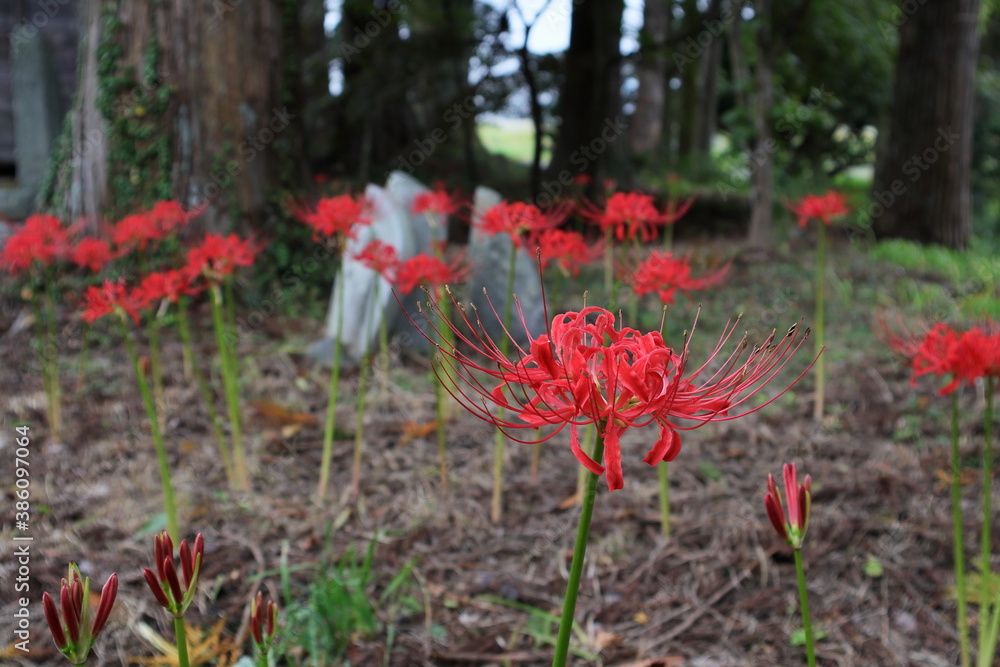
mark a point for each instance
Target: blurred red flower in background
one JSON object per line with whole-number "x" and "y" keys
{"x": 92, "y": 253}
{"x": 334, "y": 215}
{"x": 42, "y": 239}
{"x": 824, "y": 207}
{"x": 428, "y": 271}
{"x": 666, "y": 275}
{"x": 218, "y": 256}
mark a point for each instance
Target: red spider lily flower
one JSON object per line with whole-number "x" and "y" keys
{"x": 823, "y": 207}
{"x": 74, "y": 633}
{"x": 136, "y": 231}
{"x": 170, "y": 216}
{"x": 666, "y": 275}
{"x": 381, "y": 258}
{"x": 91, "y": 253}
{"x": 334, "y": 215}
{"x": 794, "y": 529}
{"x": 568, "y": 249}
{"x": 164, "y": 583}
{"x": 518, "y": 218}
{"x": 263, "y": 619}
{"x": 428, "y": 271}
{"x": 218, "y": 256}
{"x": 170, "y": 285}
{"x": 110, "y": 298}
{"x": 438, "y": 201}
{"x": 634, "y": 215}
{"x": 584, "y": 370}
{"x": 582, "y": 180}
{"x": 42, "y": 239}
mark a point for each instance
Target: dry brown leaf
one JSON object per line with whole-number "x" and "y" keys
{"x": 414, "y": 430}
{"x": 666, "y": 661}
{"x": 965, "y": 478}
{"x": 279, "y": 415}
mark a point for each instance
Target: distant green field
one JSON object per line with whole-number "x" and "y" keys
{"x": 512, "y": 138}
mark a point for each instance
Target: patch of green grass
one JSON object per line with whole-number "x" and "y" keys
{"x": 346, "y": 602}
{"x": 513, "y": 139}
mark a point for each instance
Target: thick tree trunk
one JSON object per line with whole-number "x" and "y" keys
{"x": 690, "y": 87}
{"x": 178, "y": 100}
{"x": 646, "y": 130}
{"x": 590, "y": 100}
{"x": 922, "y": 185}
{"x": 709, "y": 102}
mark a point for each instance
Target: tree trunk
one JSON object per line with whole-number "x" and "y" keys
{"x": 178, "y": 100}
{"x": 690, "y": 88}
{"x": 590, "y": 101}
{"x": 646, "y": 130}
{"x": 922, "y": 187}
{"x": 761, "y": 160}
{"x": 709, "y": 103}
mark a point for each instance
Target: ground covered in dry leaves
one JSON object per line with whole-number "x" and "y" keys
{"x": 720, "y": 591}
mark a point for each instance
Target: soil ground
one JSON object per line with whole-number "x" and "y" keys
{"x": 720, "y": 591}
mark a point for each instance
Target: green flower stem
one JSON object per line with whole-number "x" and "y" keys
{"x": 187, "y": 351}
{"x": 156, "y": 368}
{"x": 587, "y": 446}
{"x": 83, "y": 361}
{"x": 579, "y": 553}
{"x": 987, "y": 477}
{"x": 956, "y": 510}
{"x": 182, "y": 646}
{"x": 359, "y": 430}
{"x": 663, "y": 475}
{"x": 262, "y": 660}
{"x": 383, "y": 346}
{"x": 232, "y": 391}
{"x": 609, "y": 267}
{"x": 334, "y": 390}
{"x": 442, "y": 440}
{"x": 183, "y": 326}
{"x": 989, "y": 616}
{"x": 496, "y": 505}
{"x": 804, "y": 603}
{"x": 51, "y": 356}
{"x": 41, "y": 341}
{"x": 169, "y": 506}
{"x": 819, "y": 328}
{"x": 633, "y": 300}
{"x": 668, "y": 236}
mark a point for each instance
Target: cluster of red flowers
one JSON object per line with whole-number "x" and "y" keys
{"x": 568, "y": 249}
{"x": 666, "y": 275}
{"x": 585, "y": 370}
{"x": 42, "y": 239}
{"x": 634, "y": 215}
{"x": 216, "y": 258}
{"x": 407, "y": 275}
{"x": 519, "y": 219}
{"x": 334, "y": 216}
{"x": 438, "y": 201}
{"x": 962, "y": 356}
{"x": 824, "y": 207}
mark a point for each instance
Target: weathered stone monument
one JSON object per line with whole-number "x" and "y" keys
{"x": 38, "y": 115}
{"x": 489, "y": 259}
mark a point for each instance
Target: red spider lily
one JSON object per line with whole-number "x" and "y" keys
{"x": 218, "y": 256}
{"x": 823, "y": 207}
{"x": 943, "y": 351}
{"x": 584, "y": 370}
{"x": 666, "y": 275}
{"x": 518, "y": 218}
{"x": 110, "y": 298}
{"x": 428, "y": 271}
{"x": 799, "y": 496}
{"x": 91, "y": 253}
{"x": 438, "y": 201}
{"x": 170, "y": 216}
{"x": 263, "y": 619}
{"x": 136, "y": 231}
{"x": 569, "y": 249}
{"x": 381, "y": 258}
{"x": 75, "y": 632}
{"x": 582, "y": 180}
{"x": 164, "y": 582}
{"x": 170, "y": 285}
{"x": 42, "y": 239}
{"x": 334, "y": 215}
{"x": 633, "y": 214}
